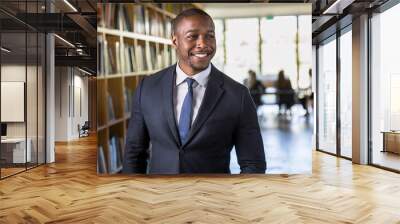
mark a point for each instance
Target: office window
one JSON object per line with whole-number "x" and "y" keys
{"x": 241, "y": 47}
{"x": 346, "y": 94}
{"x": 385, "y": 84}
{"x": 265, "y": 45}
{"x": 279, "y": 47}
{"x": 327, "y": 96}
{"x": 219, "y": 57}
{"x": 305, "y": 52}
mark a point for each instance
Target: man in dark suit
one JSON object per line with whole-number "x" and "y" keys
{"x": 191, "y": 113}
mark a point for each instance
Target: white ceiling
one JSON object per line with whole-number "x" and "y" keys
{"x": 243, "y": 10}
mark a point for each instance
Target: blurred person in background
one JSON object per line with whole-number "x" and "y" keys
{"x": 285, "y": 93}
{"x": 255, "y": 87}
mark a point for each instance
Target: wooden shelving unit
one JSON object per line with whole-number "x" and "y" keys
{"x": 133, "y": 42}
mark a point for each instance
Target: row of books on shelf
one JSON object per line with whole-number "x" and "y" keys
{"x": 173, "y": 8}
{"x": 110, "y": 107}
{"x": 130, "y": 64}
{"x": 112, "y": 163}
{"x": 132, "y": 60}
{"x": 158, "y": 25}
{"x": 134, "y": 18}
{"x": 142, "y": 62}
{"x": 108, "y": 56}
{"x": 108, "y": 15}
{"x": 128, "y": 97}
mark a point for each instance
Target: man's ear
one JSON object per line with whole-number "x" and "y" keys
{"x": 174, "y": 41}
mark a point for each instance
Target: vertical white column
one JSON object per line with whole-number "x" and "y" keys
{"x": 50, "y": 108}
{"x": 360, "y": 90}
{"x": 50, "y": 93}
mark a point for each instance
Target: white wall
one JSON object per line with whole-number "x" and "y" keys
{"x": 82, "y": 82}
{"x": 71, "y": 87}
{"x": 13, "y": 72}
{"x": 61, "y": 103}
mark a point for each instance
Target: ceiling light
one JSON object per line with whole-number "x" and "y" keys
{"x": 5, "y": 49}
{"x": 79, "y": 51}
{"x": 86, "y": 72}
{"x": 65, "y": 41}
{"x": 337, "y": 7}
{"x": 70, "y": 5}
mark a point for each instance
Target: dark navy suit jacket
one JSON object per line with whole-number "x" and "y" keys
{"x": 226, "y": 118}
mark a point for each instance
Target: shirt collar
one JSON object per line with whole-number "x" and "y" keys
{"x": 201, "y": 77}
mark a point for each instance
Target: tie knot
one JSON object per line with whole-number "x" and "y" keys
{"x": 190, "y": 82}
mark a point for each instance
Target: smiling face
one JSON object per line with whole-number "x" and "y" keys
{"x": 194, "y": 40}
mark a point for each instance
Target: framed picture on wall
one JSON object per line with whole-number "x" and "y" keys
{"x": 12, "y": 101}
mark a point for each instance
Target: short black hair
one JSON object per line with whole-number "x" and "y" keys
{"x": 187, "y": 13}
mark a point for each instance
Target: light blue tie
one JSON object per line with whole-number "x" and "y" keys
{"x": 185, "y": 119}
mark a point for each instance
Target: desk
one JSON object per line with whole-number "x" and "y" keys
{"x": 391, "y": 141}
{"x": 13, "y": 150}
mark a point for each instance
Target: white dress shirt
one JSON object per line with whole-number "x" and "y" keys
{"x": 181, "y": 89}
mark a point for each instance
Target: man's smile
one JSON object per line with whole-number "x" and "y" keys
{"x": 201, "y": 55}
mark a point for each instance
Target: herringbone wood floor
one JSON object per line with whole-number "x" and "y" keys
{"x": 69, "y": 191}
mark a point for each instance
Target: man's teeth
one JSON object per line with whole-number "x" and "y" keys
{"x": 200, "y": 55}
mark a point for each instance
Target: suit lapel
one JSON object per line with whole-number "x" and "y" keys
{"x": 212, "y": 95}
{"x": 168, "y": 103}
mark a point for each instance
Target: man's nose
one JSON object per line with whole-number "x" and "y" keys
{"x": 201, "y": 42}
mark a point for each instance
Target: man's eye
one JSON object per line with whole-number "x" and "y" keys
{"x": 191, "y": 37}
{"x": 211, "y": 36}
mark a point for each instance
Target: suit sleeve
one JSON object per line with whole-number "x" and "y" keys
{"x": 137, "y": 141}
{"x": 247, "y": 138}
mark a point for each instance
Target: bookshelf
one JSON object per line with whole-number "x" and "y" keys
{"x": 133, "y": 41}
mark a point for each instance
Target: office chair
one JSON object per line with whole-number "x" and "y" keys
{"x": 84, "y": 130}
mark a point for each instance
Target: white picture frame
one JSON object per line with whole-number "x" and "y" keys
{"x": 12, "y": 101}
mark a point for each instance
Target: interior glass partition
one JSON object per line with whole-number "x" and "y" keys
{"x": 327, "y": 96}
{"x": 22, "y": 77}
{"x": 15, "y": 152}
